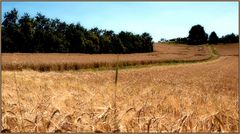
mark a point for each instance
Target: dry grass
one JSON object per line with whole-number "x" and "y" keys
{"x": 199, "y": 97}
{"x": 61, "y": 62}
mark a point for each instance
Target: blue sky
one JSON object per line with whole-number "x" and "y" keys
{"x": 160, "y": 19}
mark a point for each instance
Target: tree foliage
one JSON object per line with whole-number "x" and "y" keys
{"x": 179, "y": 40}
{"x": 213, "y": 38}
{"x": 197, "y": 35}
{"x": 42, "y": 34}
{"x": 229, "y": 38}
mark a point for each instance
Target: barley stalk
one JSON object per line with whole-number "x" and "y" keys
{"x": 115, "y": 122}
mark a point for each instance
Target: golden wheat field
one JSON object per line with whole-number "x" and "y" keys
{"x": 61, "y": 62}
{"x": 198, "y": 97}
{"x": 227, "y": 50}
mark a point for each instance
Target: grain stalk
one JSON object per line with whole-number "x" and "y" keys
{"x": 116, "y": 70}
{"x": 115, "y": 123}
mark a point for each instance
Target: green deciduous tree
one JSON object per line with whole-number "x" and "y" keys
{"x": 230, "y": 38}
{"x": 10, "y": 31}
{"x": 26, "y": 26}
{"x": 41, "y": 34}
{"x": 197, "y": 35}
{"x": 213, "y": 38}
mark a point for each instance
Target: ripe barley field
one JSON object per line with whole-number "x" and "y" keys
{"x": 62, "y": 62}
{"x": 227, "y": 50}
{"x": 199, "y": 97}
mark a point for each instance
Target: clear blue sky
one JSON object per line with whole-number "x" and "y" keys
{"x": 160, "y": 19}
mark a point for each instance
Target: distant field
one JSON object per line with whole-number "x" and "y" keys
{"x": 56, "y": 62}
{"x": 227, "y": 50}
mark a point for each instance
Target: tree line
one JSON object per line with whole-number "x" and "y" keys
{"x": 41, "y": 34}
{"x": 197, "y": 36}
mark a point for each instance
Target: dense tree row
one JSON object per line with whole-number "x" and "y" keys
{"x": 41, "y": 34}
{"x": 198, "y": 36}
{"x": 229, "y": 38}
